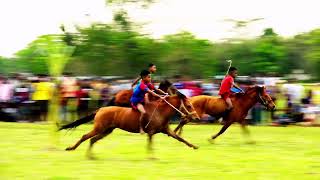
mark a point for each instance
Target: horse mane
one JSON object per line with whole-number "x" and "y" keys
{"x": 165, "y": 84}
{"x": 248, "y": 90}
{"x": 180, "y": 95}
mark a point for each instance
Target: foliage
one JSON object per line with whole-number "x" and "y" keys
{"x": 142, "y": 3}
{"x": 46, "y": 55}
{"x": 119, "y": 49}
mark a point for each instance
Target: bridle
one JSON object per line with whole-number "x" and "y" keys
{"x": 182, "y": 107}
{"x": 262, "y": 101}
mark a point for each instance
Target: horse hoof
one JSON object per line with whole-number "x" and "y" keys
{"x": 91, "y": 157}
{"x": 69, "y": 149}
{"x": 195, "y": 147}
{"x": 251, "y": 142}
{"x": 153, "y": 158}
{"x": 211, "y": 141}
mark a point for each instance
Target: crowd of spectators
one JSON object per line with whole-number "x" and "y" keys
{"x": 27, "y": 97}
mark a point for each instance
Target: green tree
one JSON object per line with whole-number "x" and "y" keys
{"x": 269, "y": 53}
{"x": 185, "y": 54}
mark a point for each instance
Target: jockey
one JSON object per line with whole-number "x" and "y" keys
{"x": 152, "y": 68}
{"x": 226, "y": 85}
{"x": 137, "y": 99}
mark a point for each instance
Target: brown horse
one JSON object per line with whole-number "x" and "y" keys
{"x": 216, "y": 107}
{"x": 109, "y": 118}
{"x": 122, "y": 98}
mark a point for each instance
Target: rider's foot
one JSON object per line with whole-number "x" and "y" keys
{"x": 221, "y": 121}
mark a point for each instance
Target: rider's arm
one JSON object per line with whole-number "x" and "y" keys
{"x": 162, "y": 92}
{"x": 146, "y": 98}
{"x": 153, "y": 93}
{"x": 236, "y": 86}
{"x": 135, "y": 81}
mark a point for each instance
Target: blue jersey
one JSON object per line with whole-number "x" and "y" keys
{"x": 139, "y": 91}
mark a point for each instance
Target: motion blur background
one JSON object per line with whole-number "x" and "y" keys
{"x": 103, "y": 45}
{"x": 60, "y": 60}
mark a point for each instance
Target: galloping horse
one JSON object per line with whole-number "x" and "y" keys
{"x": 242, "y": 102}
{"x": 111, "y": 117}
{"x": 122, "y": 98}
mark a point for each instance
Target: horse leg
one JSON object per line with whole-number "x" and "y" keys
{"x": 150, "y": 148}
{"x": 180, "y": 131}
{"x": 246, "y": 131}
{"x": 95, "y": 139}
{"x": 179, "y": 127}
{"x": 84, "y": 137}
{"x": 169, "y": 132}
{"x": 225, "y": 127}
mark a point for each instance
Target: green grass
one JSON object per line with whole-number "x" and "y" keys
{"x": 280, "y": 153}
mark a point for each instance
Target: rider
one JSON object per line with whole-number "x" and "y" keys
{"x": 226, "y": 85}
{"x": 152, "y": 68}
{"x": 137, "y": 99}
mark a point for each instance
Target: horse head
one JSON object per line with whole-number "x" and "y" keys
{"x": 183, "y": 106}
{"x": 187, "y": 108}
{"x": 262, "y": 96}
{"x": 168, "y": 87}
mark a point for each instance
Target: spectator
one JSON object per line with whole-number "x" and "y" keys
{"x": 83, "y": 98}
{"x": 22, "y": 94}
{"x": 6, "y": 91}
{"x": 104, "y": 95}
{"x": 68, "y": 92}
{"x": 43, "y": 91}
{"x": 307, "y": 100}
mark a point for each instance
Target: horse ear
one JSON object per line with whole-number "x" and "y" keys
{"x": 261, "y": 89}
{"x": 167, "y": 82}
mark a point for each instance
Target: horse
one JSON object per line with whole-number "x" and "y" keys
{"x": 109, "y": 118}
{"x": 122, "y": 97}
{"x": 216, "y": 107}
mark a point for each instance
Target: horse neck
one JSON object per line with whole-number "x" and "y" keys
{"x": 248, "y": 100}
{"x": 201, "y": 105}
{"x": 167, "y": 110}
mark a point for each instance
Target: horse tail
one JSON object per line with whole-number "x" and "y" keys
{"x": 112, "y": 102}
{"x": 78, "y": 122}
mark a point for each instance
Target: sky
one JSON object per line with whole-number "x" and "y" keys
{"x": 24, "y": 20}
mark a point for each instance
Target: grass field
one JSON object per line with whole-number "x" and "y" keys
{"x": 280, "y": 153}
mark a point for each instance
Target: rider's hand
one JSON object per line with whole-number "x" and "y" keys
{"x": 164, "y": 97}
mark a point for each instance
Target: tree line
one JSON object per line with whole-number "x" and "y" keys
{"x": 118, "y": 48}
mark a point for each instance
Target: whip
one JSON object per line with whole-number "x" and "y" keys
{"x": 230, "y": 62}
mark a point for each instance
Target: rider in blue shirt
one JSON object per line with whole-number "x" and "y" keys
{"x": 137, "y": 99}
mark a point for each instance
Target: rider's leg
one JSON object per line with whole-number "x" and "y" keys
{"x": 142, "y": 114}
{"x": 229, "y": 104}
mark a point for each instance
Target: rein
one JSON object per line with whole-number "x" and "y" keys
{"x": 263, "y": 102}
{"x": 183, "y": 115}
